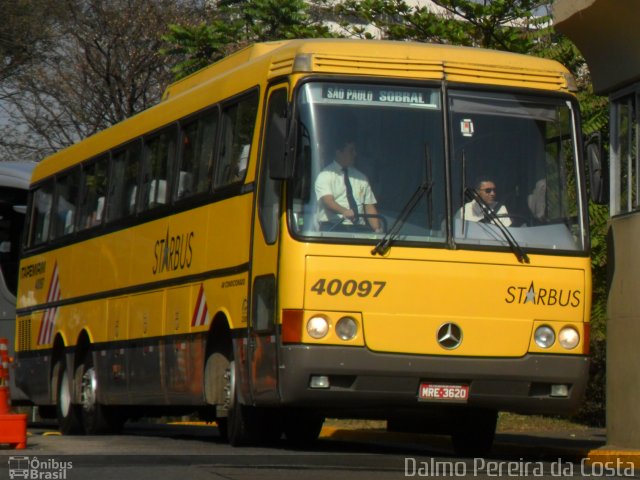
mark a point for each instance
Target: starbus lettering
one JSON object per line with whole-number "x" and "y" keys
{"x": 174, "y": 252}
{"x": 543, "y": 296}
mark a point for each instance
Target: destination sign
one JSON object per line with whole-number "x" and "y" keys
{"x": 380, "y": 95}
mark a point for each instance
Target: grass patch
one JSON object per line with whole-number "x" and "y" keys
{"x": 512, "y": 422}
{"x": 507, "y": 422}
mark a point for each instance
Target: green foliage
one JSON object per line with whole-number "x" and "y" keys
{"x": 235, "y": 24}
{"x": 199, "y": 45}
{"x": 499, "y": 24}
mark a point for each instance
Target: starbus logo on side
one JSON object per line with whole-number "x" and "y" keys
{"x": 543, "y": 296}
{"x": 173, "y": 252}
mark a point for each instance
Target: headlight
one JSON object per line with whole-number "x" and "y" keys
{"x": 346, "y": 328}
{"x": 317, "y": 327}
{"x": 544, "y": 336}
{"x": 569, "y": 338}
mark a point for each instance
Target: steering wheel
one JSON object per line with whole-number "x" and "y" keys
{"x": 524, "y": 220}
{"x": 382, "y": 219}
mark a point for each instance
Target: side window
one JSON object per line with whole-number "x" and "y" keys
{"x": 123, "y": 184}
{"x": 157, "y": 167}
{"x": 40, "y": 213}
{"x": 238, "y": 122}
{"x": 196, "y": 159}
{"x": 269, "y": 193}
{"x": 94, "y": 190}
{"x": 66, "y": 203}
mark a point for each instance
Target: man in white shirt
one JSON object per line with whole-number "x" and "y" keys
{"x": 344, "y": 194}
{"x": 486, "y": 189}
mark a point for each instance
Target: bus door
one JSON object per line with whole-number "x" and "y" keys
{"x": 262, "y": 345}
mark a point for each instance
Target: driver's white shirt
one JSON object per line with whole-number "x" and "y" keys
{"x": 330, "y": 181}
{"x": 473, "y": 213}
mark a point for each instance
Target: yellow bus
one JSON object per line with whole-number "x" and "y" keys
{"x": 212, "y": 255}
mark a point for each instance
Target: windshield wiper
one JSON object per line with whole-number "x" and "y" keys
{"x": 488, "y": 212}
{"x": 385, "y": 242}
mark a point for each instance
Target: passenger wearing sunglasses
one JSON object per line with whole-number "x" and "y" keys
{"x": 486, "y": 189}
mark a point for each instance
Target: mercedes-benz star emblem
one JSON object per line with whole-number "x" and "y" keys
{"x": 449, "y": 336}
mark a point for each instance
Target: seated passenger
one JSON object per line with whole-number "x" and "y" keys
{"x": 486, "y": 189}
{"x": 537, "y": 200}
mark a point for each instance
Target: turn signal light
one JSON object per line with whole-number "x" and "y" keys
{"x": 292, "y": 326}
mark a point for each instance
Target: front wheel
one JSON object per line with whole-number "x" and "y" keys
{"x": 68, "y": 413}
{"x": 239, "y": 424}
{"x": 302, "y": 427}
{"x": 474, "y": 431}
{"x": 248, "y": 425}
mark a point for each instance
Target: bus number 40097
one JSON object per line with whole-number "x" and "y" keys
{"x": 348, "y": 288}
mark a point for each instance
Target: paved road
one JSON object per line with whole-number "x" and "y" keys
{"x": 167, "y": 452}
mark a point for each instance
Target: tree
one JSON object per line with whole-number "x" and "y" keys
{"x": 234, "y": 24}
{"x": 499, "y": 24}
{"x": 102, "y": 66}
{"x": 23, "y": 34}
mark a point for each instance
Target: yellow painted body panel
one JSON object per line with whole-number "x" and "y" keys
{"x": 496, "y": 301}
{"x": 134, "y": 257}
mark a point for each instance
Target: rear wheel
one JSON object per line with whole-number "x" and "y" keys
{"x": 97, "y": 418}
{"x": 474, "y": 431}
{"x": 68, "y": 413}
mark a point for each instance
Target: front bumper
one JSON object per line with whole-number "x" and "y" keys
{"x": 361, "y": 379}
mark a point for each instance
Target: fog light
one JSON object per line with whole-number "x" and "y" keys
{"x": 544, "y": 336}
{"x": 346, "y": 328}
{"x": 317, "y": 327}
{"x": 319, "y": 381}
{"x": 569, "y": 338}
{"x": 559, "y": 390}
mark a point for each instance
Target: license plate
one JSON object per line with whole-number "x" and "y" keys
{"x": 437, "y": 392}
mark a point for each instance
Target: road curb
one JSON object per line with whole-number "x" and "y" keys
{"x": 614, "y": 456}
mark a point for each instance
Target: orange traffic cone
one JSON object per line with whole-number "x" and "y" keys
{"x": 13, "y": 427}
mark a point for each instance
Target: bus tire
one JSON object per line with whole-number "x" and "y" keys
{"x": 241, "y": 422}
{"x": 68, "y": 413}
{"x": 97, "y": 419}
{"x": 474, "y": 431}
{"x": 302, "y": 427}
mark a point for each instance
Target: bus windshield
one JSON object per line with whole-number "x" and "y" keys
{"x": 512, "y": 175}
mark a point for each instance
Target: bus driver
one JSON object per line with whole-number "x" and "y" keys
{"x": 344, "y": 193}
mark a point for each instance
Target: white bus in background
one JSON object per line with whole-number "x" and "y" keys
{"x": 14, "y": 185}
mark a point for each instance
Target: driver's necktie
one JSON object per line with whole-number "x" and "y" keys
{"x": 350, "y": 198}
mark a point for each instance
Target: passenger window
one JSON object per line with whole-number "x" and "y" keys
{"x": 158, "y": 162}
{"x": 94, "y": 189}
{"x": 123, "y": 184}
{"x": 40, "y": 213}
{"x": 238, "y": 121}
{"x": 196, "y": 160}
{"x": 66, "y": 203}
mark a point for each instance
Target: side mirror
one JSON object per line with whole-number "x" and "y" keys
{"x": 596, "y": 167}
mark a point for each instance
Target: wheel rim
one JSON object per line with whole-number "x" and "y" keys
{"x": 89, "y": 389}
{"x": 64, "y": 395}
{"x": 230, "y": 387}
